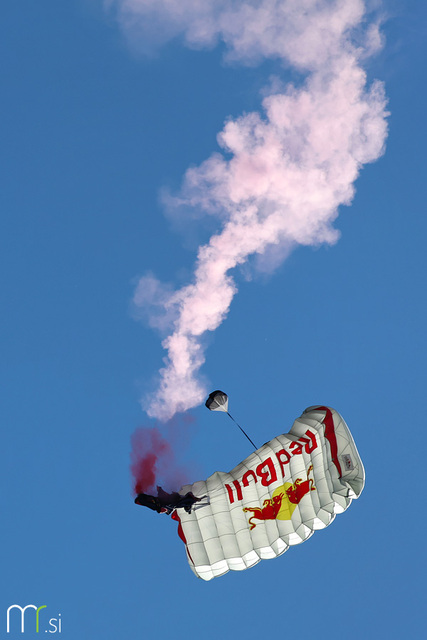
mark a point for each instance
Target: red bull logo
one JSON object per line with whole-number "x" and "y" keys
{"x": 269, "y": 510}
{"x": 299, "y": 489}
{"x": 283, "y": 501}
{"x": 271, "y": 468}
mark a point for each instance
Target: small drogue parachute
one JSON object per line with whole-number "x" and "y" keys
{"x": 276, "y": 498}
{"x": 217, "y": 401}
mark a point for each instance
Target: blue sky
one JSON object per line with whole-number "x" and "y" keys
{"x": 91, "y": 132}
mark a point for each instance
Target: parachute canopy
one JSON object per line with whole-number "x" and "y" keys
{"x": 276, "y": 498}
{"x": 217, "y": 401}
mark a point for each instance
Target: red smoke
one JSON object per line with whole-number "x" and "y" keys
{"x": 153, "y": 461}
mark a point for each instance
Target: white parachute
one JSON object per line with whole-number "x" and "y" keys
{"x": 217, "y": 401}
{"x": 276, "y": 498}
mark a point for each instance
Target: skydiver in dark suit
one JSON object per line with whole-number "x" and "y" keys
{"x": 166, "y": 502}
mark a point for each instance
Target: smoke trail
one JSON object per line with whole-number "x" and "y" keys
{"x": 289, "y": 168}
{"x": 153, "y": 460}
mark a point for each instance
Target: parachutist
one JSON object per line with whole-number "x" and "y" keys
{"x": 166, "y": 502}
{"x": 291, "y": 469}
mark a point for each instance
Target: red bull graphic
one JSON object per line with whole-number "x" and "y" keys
{"x": 299, "y": 489}
{"x": 273, "y": 467}
{"x": 269, "y": 510}
{"x": 283, "y": 502}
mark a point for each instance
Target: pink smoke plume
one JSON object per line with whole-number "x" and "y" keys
{"x": 153, "y": 460}
{"x": 289, "y": 168}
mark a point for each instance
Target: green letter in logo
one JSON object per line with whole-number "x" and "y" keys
{"x": 37, "y": 617}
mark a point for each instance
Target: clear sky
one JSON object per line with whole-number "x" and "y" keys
{"x": 93, "y": 131}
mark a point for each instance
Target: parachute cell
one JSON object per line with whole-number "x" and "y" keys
{"x": 276, "y": 498}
